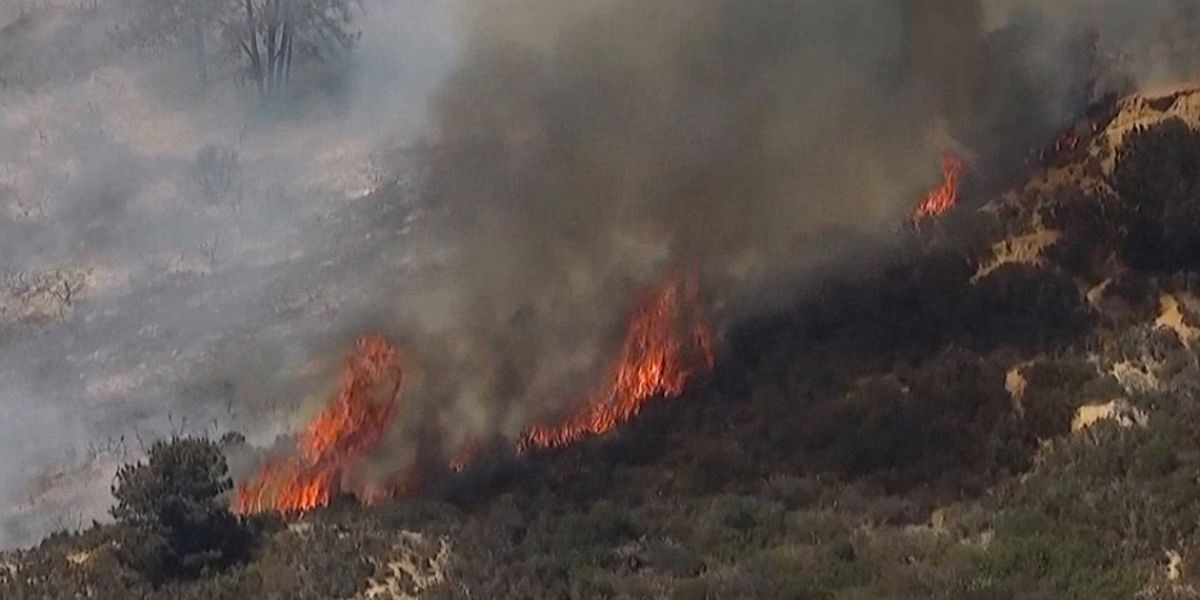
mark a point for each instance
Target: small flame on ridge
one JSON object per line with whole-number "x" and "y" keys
{"x": 943, "y": 197}
{"x": 666, "y": 343}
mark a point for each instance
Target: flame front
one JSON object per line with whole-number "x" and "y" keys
{"x": 943, "y": 197}
{"x": 667, "y": 342}
{"x": 348, "y": 429}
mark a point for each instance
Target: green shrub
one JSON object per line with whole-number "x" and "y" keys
{"x": 174, "y": 519}
{"x": 1051, "y": 565}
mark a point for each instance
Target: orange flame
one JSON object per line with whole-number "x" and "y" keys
{"x": 667, "y": 343}
{"x": 943, "y": 197}
{"x": 348, "y": 429}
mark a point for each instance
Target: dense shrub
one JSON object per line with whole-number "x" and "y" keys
{"x": 1158, "y": 175}
{"x": 1089, "y": 224}
{"x": 1051, "y": 564}
{"x": 175, "y": 521}
{"x": 1020, "y": 307}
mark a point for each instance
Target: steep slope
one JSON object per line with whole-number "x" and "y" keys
{"x": 1002, "y": 406}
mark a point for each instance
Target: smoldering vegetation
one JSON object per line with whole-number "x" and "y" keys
{"x": 573, "y": 155}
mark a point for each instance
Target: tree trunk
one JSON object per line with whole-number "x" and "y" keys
{"x": 250, "y": 45}
{"x": 287, "y": 60}
{"x": 281, "y": 50}
{"x": 270, "y": 42}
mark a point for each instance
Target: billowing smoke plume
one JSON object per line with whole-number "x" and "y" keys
{"x": 575, "y": 153}
{"x": 580, "y": 151}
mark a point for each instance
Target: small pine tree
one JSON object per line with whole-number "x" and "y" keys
{"x": 172, "y": 511}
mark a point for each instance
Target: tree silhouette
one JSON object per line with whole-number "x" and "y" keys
{"x": 176, "y": 521}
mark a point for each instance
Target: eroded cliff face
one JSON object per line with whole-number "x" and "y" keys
{"x": 1090, "y": 213}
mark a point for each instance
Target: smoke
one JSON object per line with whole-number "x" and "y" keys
{"x": 570, "y": 156}
{"x": 579, "y": 152}
{"x": 196, "y": 228}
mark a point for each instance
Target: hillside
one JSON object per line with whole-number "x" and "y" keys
{"x": 149, "y": 233}
{"x": 1004, "y": 407}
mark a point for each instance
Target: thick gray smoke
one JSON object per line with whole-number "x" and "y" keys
{"x": 581, "y": 151}
{"x": 166, "y": 250}
{"x": 570, "y": 155}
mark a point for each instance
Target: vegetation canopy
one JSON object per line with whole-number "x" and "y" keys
{"x": 173, "y": 507}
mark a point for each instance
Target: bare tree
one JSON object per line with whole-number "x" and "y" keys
{"x": 272, "y": 32}
{"x": 270, "y": 35}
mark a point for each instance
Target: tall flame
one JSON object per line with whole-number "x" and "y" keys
{"x": 349, "y": 428}
{"x": 667, "y": 342}
{"x": 943, "y": 197}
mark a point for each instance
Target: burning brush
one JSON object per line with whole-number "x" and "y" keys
{"x": 347, "y": 430}
{"x": 942, "y": 198}
{"x": 666, "y": 343}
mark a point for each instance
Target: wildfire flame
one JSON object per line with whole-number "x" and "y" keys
{"x": 666, "y": 343}
{"x": 349, "y": 428}
{"x": 943, "y": 197}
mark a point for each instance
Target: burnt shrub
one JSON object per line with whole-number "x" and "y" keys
{"x": 1158, "y": 175}
{"x": 1020, "y": 307}
{"x": 712, "y": 466}
{"x": 949, "y": 423}
{"x": 1138, "y": 296}
{"x": 1054, "y": 390}
{"x": 1090, "y": 225}
{"x": 174, "y": 523}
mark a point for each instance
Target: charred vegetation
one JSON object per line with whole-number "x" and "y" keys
{"x": 1158, "y": 178}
